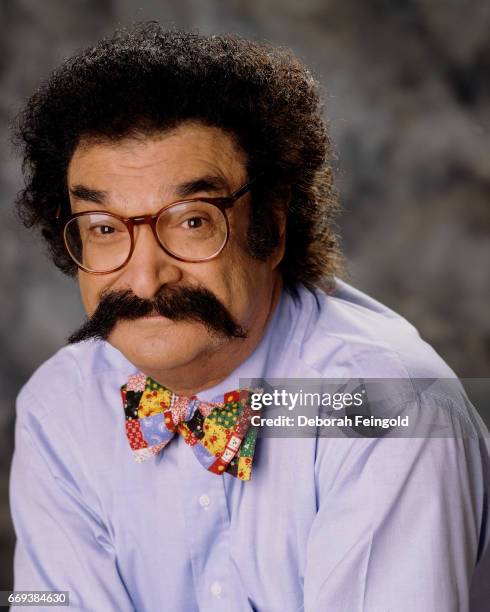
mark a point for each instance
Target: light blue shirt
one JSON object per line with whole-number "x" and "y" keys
{"x": 325, "y": 524}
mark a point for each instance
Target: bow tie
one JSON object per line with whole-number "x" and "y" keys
{"x": 219, "y": 433}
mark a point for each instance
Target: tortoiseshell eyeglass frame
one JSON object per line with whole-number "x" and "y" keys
{"x": 223, "y": 203}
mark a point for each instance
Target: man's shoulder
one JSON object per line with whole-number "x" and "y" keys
{"x": 60, "y": 381}
{"x": 348, "y": 333}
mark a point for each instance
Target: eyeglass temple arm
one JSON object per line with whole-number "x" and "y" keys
{"x": 245, "y": 188}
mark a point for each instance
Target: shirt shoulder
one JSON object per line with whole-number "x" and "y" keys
{"x": 61, "y": 380}
{"x": 349, "y": 334}
{"x": 71, "y": 412}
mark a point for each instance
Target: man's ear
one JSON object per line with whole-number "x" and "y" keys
{"x": 281, "y": 218}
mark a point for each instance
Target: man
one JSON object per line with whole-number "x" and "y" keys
{"x": 185, "y": 181}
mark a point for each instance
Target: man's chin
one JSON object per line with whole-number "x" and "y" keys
{"x": 160, "y": 343}
{"x": 143, "y": 330}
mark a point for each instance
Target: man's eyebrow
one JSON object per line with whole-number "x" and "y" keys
{"x": 207, "y": 183}
{"x": 80, "y": 192}
{"x": 214, "y": 184}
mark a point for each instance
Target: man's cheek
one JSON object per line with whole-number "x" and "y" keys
{"x": 90, "y": 293}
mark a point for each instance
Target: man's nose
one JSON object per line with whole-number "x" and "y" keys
{"x": 149, "y": 267}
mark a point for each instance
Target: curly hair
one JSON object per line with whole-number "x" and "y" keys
{"x": 145, "y": 79}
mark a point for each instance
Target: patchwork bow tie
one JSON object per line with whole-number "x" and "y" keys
{"x": 220, "y": 433}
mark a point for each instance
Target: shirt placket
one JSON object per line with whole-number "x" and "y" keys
{"x": 208, "y": 530}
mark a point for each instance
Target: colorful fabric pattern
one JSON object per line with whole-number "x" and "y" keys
{"x": 220, "y": 433}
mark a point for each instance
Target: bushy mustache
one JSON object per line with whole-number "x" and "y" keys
{"x": 178, "y": 304}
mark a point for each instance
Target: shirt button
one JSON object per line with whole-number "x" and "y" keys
{"x": 216, "y": 589}
{"x": 204, "y": 500}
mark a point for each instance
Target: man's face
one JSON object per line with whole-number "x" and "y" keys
{"x": 138, "y": 177}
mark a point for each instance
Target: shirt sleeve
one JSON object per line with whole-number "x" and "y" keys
{"x": 398, "y": 525}
{"x": 62, "y": 544}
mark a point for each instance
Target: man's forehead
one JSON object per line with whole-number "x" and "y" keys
{"x": 182, "y": 161}
{"x": 194, "y": 141}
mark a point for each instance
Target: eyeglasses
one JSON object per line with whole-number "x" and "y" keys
{"x": 189, "y": 230}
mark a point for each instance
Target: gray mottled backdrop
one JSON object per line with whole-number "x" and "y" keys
{"x": 407, "y": 87}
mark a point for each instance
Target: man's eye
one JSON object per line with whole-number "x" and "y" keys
{"x": 194, "y": 223}
{"x": 102, "y": 229}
